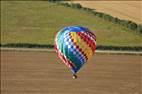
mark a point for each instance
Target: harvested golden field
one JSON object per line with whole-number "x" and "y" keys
{"x": 129, "y": 10}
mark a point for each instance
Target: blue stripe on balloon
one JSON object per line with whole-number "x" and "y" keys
{"x": 71, "y": 56}
{"x": 76, "y": 29}
{"x": 74, "y": 60}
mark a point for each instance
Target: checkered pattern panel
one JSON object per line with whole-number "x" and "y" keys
{"x": 68, "y": 41}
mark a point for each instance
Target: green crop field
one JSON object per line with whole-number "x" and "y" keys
{"x": 38, "y": 21}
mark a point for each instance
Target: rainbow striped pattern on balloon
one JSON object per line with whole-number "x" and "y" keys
{"x": 75, "y": 45}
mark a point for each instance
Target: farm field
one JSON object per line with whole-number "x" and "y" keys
{"x": 129, "y": 10}
{"x": 44, "y": 73}
{"x": 37, "y": 22}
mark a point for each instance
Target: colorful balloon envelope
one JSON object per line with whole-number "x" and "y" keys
{"x": 75, "y": 45}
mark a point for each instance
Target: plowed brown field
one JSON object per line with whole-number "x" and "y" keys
{"x": 43, "y": 73}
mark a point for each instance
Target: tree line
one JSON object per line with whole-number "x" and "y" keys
{"x": 99, "y": 47}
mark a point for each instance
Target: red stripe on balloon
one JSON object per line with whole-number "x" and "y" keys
{"x": 88, "y": 40}
{"x": 93, "y": 35}
{"x": 93, "y": 45}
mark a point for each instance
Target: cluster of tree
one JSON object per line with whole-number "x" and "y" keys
{"x": 129, "y": 24}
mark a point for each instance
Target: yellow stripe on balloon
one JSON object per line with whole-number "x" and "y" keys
{"x": 82, "y": 44}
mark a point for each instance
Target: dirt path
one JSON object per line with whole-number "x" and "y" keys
{"x": 129, "y": 10}
{"x": 43, "y": 73}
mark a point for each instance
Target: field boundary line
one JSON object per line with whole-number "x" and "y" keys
{"x": 52, "y": 50}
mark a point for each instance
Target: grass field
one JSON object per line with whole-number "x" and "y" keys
{"x": 129, "y": 10}
{"x": 44, "y": 73}
{"x": 38, "y": 21}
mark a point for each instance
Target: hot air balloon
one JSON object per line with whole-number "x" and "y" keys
{"x": 75, "y": 45}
